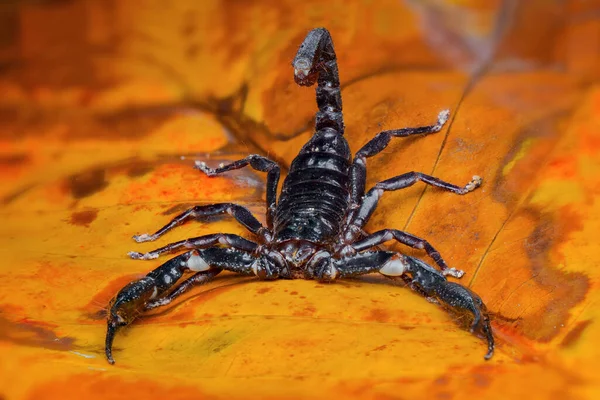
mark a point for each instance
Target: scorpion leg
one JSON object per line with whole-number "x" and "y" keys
{"x": 200, "y": 242}
{"x": 259, "y": 163}
{"x": 425, "y": 279}
{"x": 368, "y": 204}
{"x": 358, "y": 173}
{"x": 199, "y": 278}
{"x": 405, "y": 238}
{"x": 155, "y": 288}
{"x": 240, "y": 213}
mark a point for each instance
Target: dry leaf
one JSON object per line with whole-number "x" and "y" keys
{"x": 105, "y": 106}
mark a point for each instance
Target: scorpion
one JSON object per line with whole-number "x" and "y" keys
{"x": 315, "y": 229}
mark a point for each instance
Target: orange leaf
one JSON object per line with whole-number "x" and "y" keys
{"x": 106, "y": 105}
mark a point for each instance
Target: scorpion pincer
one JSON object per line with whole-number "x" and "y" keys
{"x": 315, "y": 229}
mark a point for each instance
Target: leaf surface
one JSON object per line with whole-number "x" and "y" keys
{"x": 106, "y": 106}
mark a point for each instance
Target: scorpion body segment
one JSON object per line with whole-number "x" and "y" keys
{"x": 316, "y": 192}
{"x": 315, "y": 230}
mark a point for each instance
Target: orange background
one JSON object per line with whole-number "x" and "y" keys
{"x": 100, "y": 99}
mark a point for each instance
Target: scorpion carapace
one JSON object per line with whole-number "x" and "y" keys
{"x": 315, "y": 230}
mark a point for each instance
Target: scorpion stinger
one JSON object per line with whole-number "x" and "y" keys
{"x": 315, "y": 230}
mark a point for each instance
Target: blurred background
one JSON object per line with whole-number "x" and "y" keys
{"x": 105, "y": 104}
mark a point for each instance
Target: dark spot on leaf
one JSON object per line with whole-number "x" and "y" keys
{"x": 87, "y": 183}
{"x": 305, "y": 312}
{"x": 139, "y": 168}
{"x": 263, "y": 290}
{"x": 33, "y": 334}
{"x": 9, "y": 160}
{"x": 16, "y": 194}
{"x": 192, "y": 51}
{"x": 93, "y": 385}
{"x": 83, "y": 218}
{"x": 294, "y": 293}
{"x": 379, "y": 315}
{"x": 567, "y": 289}
{"x": 481, "y": 379}
{"x": 574, "y": 334}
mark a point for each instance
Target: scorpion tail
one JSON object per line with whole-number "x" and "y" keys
{"x": 316, "y": 61}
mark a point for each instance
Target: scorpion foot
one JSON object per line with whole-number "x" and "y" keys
{"x": 442, "y": 119}
{"x": 201, "y": 165}
{"x": 472, "y": 185}
{"x": 142, "y": 256}
{"x": 144, "y": 237}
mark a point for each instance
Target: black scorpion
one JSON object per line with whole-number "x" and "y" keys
{"x": 315, "y": 230}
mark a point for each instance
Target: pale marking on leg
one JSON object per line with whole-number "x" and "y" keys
{"x": 332, "y": 272}
{"x": 395, "y": 266}
{"x": 255, "y": 267}
{"x": 142, "y": 256}
{"x": 154, "y": 293}
{"x": 197, "y": 263}
{"x": 442, "y": 119}
{"x": 456, "y": 273}
{"x": 474, "y": 184}
{"x": 144, "y": 237}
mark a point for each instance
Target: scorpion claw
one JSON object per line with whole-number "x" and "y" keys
{"x": 145, "y": 237}
{"x": 455, "y": 296}
{"x": 125, "y": 307}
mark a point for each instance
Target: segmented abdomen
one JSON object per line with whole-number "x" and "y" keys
{"x": 315, "y": 194}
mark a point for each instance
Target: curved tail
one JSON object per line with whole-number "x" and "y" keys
{"x": 314, "y": 61}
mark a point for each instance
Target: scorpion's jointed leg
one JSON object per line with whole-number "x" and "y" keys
{"x": 199, "y": 278}
{"x": 368, "y": 203}
{"x": 240, "y": 213}
{"x": 200, "y": 242}
{"x": 360, "y": 216}
{"x": 380, "y": 142}
{"x": 425, "y": 278}
{"x": 407, "y": 239}
{"x": 152, "y": 290}
{"x": 259, "y": 163}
